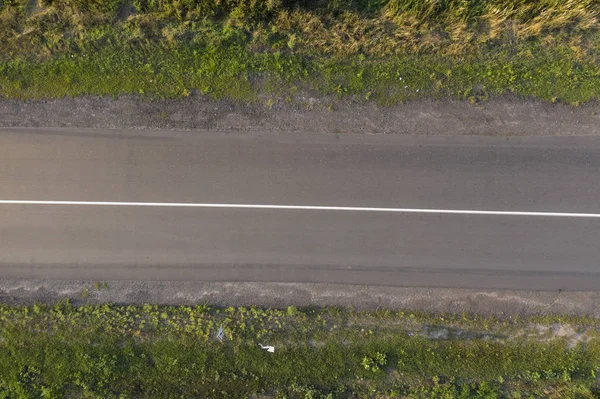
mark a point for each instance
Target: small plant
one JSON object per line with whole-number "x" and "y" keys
{"x": 100, "y": 285}
{"x": 374, "y": 363}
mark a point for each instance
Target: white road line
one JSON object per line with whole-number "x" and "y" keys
{"x": 305, "y": 208}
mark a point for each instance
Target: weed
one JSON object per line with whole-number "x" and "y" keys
{"x": 100, "y": 285}
{"x": 374, "y": 363}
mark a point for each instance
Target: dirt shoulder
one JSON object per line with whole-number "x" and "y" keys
{"x": 279, "y": 295}
{"x": 505, "y": 116}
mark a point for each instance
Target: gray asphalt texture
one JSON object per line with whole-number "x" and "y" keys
{"x": 471, "y": 251}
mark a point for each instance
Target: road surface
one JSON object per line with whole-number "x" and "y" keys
{"x": 307, "y": 208}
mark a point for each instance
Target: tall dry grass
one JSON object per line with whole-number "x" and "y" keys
{"x": 342, "y": 28}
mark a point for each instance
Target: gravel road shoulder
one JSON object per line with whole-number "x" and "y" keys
{"x": 505, "y": 116}
{"x": 279, "y": 295}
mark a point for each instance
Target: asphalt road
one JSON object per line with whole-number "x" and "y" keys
{"x": 70, "y": 241}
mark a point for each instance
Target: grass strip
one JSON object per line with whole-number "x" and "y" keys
{"x": 111, "y": 351}
{"x": 388, "y": 51}
{"x": 237, "y": 74}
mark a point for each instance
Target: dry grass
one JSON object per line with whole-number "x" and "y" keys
{"x": 449, "y": 27}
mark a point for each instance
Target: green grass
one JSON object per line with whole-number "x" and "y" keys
{"x": 387, "y": 51}
{"x": 111, "y": 351}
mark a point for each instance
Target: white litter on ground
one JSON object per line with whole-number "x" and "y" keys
{"x": 221, "y": 333}
{"x": 267, "y": 348}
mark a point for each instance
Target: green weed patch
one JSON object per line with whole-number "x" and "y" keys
{"x": 110, "y": 351}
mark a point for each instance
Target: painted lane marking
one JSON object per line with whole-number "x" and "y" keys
{"x": 305, "y": 208}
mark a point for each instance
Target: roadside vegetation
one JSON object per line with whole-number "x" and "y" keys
{"x": 111, "y": 351}
{"x": 386, "y": 51}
